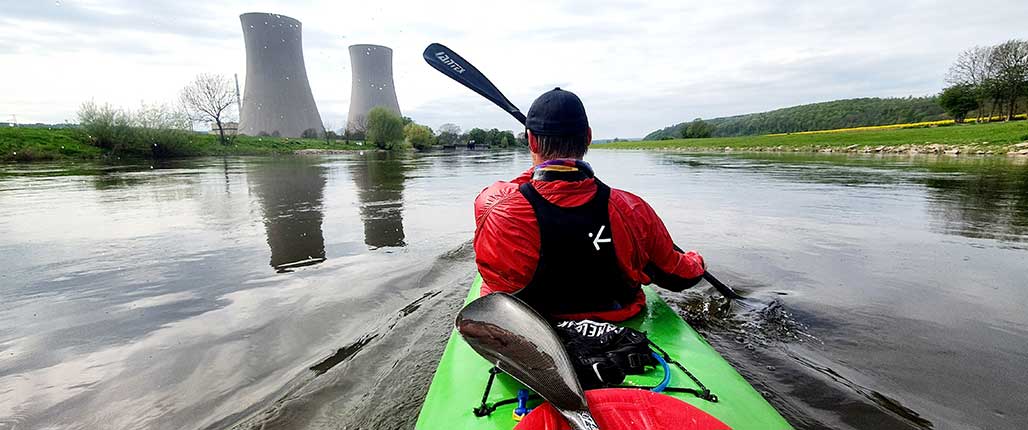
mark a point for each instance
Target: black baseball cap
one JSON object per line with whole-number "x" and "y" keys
{"x": 557, "y": 113}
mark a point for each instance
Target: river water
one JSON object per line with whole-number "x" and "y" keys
{"x": 317, "y": 292}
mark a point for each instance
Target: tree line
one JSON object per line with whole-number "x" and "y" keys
{"x": 387, "y": 130}
{"x": 984, "y": 81}
{"x": 846, "y": 113}
{"x": 162, "y": 130}
{"x": 988, "y": 81}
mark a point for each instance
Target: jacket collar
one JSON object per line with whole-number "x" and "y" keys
{"x": 562, "y": 170}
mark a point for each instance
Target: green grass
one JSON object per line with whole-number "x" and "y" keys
{"x": 31, "y": 144}
{"x": 42, "y": 144}
{"x": 250, "y": 145}
{"x": 998, "y": 137}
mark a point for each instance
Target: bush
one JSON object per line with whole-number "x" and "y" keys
{"x": 154, "y": 131}
{"x": 418, "y": 135}
{"x": 385, "y": 128}
{"x": 105, "y": 126}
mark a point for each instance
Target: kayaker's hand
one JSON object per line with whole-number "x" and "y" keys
{"x": 696, "y": 255}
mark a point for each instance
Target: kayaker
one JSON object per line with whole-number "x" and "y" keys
{"x": 564, "y": 242}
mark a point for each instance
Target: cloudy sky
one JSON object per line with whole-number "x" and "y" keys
{"x": 638, "y": 65}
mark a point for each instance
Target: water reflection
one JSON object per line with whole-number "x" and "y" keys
{"x": 987, "y": 200}
{"x": 974, "y": 197}
{"x": 379, "y": 177}
{"x": 291, "y": 191}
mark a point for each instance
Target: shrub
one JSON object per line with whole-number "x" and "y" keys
{"x": 105, "y": 126}
{"x": 385, "y": 128}
{"x": 418, "y": 135}
{"x": 310, "y": 133}
{"x": 155, "y": 131}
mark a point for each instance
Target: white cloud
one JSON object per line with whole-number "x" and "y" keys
{"x": 637, "y": 65}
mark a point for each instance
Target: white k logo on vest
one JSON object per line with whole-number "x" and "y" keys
{"x": 596, "y": 239}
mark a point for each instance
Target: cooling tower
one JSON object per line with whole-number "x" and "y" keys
{"x": 372, "y": 82}
{"x": 277, "y": 99}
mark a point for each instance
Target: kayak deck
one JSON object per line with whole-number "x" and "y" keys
{"x": 460, "y": 380}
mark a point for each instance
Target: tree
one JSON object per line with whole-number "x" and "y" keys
{"x": 329, "y": 133}
{"x": 385, "y": 128}
{"x": 356, "y": 129}
{"x": 448, "y": 135}
{"x": 493, "y": 137}
{"x": 974, "y": 68}
{"x": 449, "y": 128}
{"x": 477, "y": 137}
{"x": 507, "y": 138}
{"x": 447, "y": 138}
{"x": 522, "y": 139}
{"x": 418, "y": 135}
{"x": 159, "y": 116}
{"x": 698, "y": 129}
{"x": 209, "y": 98}
{"x": 958, "y": 100}
{"x": 1009, "y": 64}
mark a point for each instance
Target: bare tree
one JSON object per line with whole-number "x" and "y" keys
{"x": 209, "y": 98}
{"x": 449, "y": 128}
{"x": 358, "y": 128}
{"x": 974, "y": 68}
{"x": 160, "y": 116}
{"x": 328, "y": 131}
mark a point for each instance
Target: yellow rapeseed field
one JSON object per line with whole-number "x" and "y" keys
{"x": 896, "y": 126}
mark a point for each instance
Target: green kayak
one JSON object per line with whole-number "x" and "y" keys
{"x": 460, "y": 380}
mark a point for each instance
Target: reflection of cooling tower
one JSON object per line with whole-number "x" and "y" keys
{"x": 278, "y": 98}
{"x": 379, "y": 178}
{"x": 291, "y": 192}
{"x": 372, "y": 82}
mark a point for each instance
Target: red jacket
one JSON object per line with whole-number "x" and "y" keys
{"x": 507, "y": 240}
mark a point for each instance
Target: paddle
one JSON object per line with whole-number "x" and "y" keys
{"x": 457, "y": 68}
{"x": 508, "y": 333}
{"x": 725, "y": 290}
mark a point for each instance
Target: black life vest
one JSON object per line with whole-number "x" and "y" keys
{"x": 578, "y": 270}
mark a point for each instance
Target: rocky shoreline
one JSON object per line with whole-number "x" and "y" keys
{"x": 315, "y": 151}
{"x": 983, "y": 148}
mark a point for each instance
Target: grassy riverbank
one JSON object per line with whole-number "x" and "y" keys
{"x": 990, "y": 138}
{"x": 38, "y": 144}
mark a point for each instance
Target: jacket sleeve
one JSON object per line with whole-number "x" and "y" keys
{"x": 668, "y": 267}
{"x": 506, "y": 240}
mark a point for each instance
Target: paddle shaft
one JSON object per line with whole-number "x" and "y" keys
{"x": 451, "y": 64}
{"x": 725, "y": 290}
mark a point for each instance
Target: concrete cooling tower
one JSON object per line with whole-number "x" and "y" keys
{"x": 277, "y": 99}
{"x": 372, "y": 82}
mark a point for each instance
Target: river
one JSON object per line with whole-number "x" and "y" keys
{"x": 317, "y": 292}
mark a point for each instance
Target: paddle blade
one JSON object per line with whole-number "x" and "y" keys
{"x": 508, "y": 333}
{"x": 457, "y": 68}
